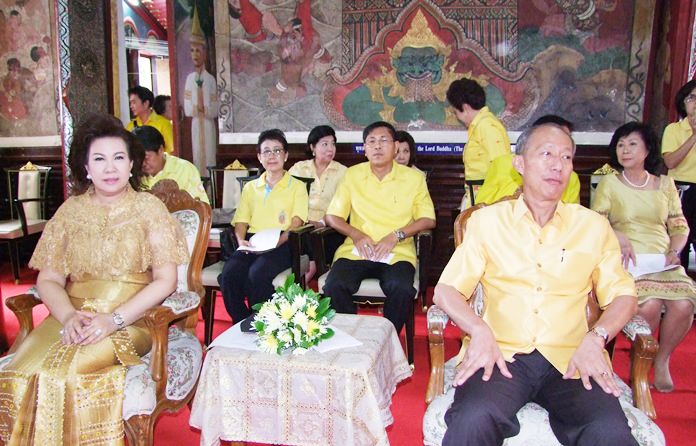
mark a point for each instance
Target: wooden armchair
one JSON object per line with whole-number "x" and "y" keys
{"x": 535, "y": 427}
{"x": 168, "y": 376}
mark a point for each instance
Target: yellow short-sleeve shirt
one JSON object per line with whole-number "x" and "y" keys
{"x": 674, "y": 136}
{"x": 264, "y": 208}
{"x": 378, "y": 208}
{"x": 488, "y": 140}
{"x": 160, "y": 123}
{"x": 184, "y": 173}
{"x": 536, "y": 279}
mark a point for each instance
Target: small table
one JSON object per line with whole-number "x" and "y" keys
{"x": 341, "y": 397}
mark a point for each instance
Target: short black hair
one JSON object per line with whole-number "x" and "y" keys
{"x": 376, "y": 125}
{"x": 466, "y": 91}
{"x": 683, "y": 92}
{"x": 318, "y": 133}
{"x": 653, "y": 162}
{"x": 272, "y": 134}
{"x": 149, "y": 137}
{"x": 161, "y": 103}
{"x": 404, "y": 136}
{"x": 555, "y": 119}
{"x": 143, "y": 93}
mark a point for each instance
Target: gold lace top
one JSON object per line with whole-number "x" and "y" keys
{"x": 88, "y": 239}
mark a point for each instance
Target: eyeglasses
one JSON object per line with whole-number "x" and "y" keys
{"x": 690, "y": 98}
{"x": 272, "y": 152}
{"x": 372, "y": 142}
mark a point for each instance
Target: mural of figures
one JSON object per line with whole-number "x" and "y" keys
{"x": 200, "y": 101}
{"x": 27, "y": 87}
{"x": 300, "y": 63}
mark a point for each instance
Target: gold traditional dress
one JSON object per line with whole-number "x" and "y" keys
{"x": 648, "y": 218}
{"x": 50, "y": 393}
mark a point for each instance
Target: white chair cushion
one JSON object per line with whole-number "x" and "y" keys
{"x": 184, "y": 358}
{"x": 11, "y": 229}
{"x": 210, "y": 274}
{"x": 368, "y": 287}
{"x": 535, "y": 428}
{"x": 189, "y": 221}
{"x": 279, "y": 280}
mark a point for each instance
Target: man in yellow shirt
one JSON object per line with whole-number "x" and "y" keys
{"x": 503, "y": 180}
{"x": 488, "y": 138}
{"x": 141, "y": 101}
{"x": 159, "y": 165}
{"x": 387, "y": 204}
{"x": 537, "y": 259}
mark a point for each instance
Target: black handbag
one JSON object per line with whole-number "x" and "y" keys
{"x": 228, "y": 243}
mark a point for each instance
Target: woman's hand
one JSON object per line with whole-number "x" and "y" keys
{"x": 74, "y": 327}
{"x": 101, "y": 326}
{"x": 627, "y": 253}
{"x": 672, "y": 258}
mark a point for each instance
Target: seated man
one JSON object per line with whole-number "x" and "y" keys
{"x": 503, "y": 180}
{"x": 387, "y": 204}
{"x": 159, "y": 165}
{"x": 537, "y": 259}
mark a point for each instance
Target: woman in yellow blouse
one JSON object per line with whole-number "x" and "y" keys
{"x": 109, "y": 254}
{"x": 274, "y": 200}
{"x": 645, "y": 213}
{"x": 327, "y": 173}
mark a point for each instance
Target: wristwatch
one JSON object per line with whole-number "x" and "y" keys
{"x": 400, "y": 235}
{"x": 118, "y": 320}
{"x": 601, "y": 332}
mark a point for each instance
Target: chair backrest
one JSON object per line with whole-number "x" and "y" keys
{"x": 244, "y": 180}
{"x": 306, "y": 180}
{"x": 194, "y": 216}
{"x": 225, "y": 189}
{"x": 31, "y": 183}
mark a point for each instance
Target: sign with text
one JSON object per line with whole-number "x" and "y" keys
{"x": 427, "y": 148}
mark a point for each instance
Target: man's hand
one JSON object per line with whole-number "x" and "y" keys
{"x": 384, "y": 246}
{"x": 483, "y": 352}
{"x": 365, "y": 246}
{"x": 589, "y": 361}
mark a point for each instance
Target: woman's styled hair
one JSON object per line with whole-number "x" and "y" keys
{"x": 316, "y": 134}
{"x": 403, "y": 136}
{"x": 94, "y": 127}
{"x": 653, "y": 162}
{"x": 272, "y": 134}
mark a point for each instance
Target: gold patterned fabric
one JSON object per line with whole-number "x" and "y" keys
{"x": 323, "y": 188}
{"x": 52, "y": 394}
{"x": 648, "y": 218}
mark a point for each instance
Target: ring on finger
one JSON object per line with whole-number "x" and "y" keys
{"x": 604, "y": 374}
{"x": 98, "y": 332}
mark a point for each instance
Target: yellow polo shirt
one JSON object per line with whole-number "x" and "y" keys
{"x": 536, "y": 280}
{"x": 264, "y": 208}
{"x": 183, "y": 172}
{"x": 488, "y": 140}
{"x": 160, "y": 123}
{"x": 323, "y": 188}
{"x": 378, "y": 208}
{"x": 503, "y": 180}
{"x": 674, "y": 136}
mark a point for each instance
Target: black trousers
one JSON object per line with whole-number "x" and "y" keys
{"x": 688, "y": 202}
{"x": 395, "y": 280}
{"x": 251, "y": 275}
{"x": 484, "y": 412}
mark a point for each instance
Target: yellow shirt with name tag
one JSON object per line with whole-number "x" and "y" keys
{"x": 264, "y": 208}
{"x": 536, "y": 279}
{"x": 183, "y": 172}
{"x": 675, "y": 135}
{"x": 488, "y": 140}
{"x": 378, "y": 208}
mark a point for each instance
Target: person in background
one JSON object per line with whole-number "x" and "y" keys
{"x": 327, "y": 173}
{"x": 109, "y": 254}
{"x": 159, "y": 165}
{"x": 503, "y": 180}
{"x": 678, "y": 144}
{"x": 406, "y": 150}
{"x": 163, "y": 106}
{"x": 141, "y": 100}
{"x": 644, "y": 210}
{"x": 488, "y": 138}
{"x": 274, "y": 200}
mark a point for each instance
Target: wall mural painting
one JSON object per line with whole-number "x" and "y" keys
{"x": 298, "y": 63}
{"x": 27, "y": 86}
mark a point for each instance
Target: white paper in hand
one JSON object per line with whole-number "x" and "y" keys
{"x": 386, "y": 259}
{"x": 648, "y": 264}
{"x": 262, "y": 241}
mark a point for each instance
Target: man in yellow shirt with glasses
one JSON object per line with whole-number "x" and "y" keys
{"x": 537, "y": 259}
{"x": 387, "y": 204}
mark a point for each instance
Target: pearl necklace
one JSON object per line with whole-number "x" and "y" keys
{"x": 647, "y": 179}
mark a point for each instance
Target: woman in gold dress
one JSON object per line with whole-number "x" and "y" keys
{"x": 109, "y": 254}
{"x": 645, "y": 212}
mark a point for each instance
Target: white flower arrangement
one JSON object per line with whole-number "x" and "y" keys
{"x": 294, "y": 319}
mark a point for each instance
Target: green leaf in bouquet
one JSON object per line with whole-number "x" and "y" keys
{"x": 324, "y": 304}
{"x": 257, "y": 306}
{"x": 259, "y": 326}
{"x": 329, "y": 333}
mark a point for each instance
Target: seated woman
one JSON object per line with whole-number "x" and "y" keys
{"x": 274, "y": 200}
{"x": 645, "y": 213}
{"x": 327, "y": 173}
{"x": 109, "y": 254}
{"x": 406, "y": 150}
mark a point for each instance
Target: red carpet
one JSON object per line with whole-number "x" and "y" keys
{"x": 676, "y": 411}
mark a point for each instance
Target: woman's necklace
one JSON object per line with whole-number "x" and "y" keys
{"x": 647, "y": 179}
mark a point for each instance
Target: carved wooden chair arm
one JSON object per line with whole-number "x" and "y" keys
{"x": 437, "y": 321}
{"x": 643, "y": 351}
{"x": 21, "y": 305}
